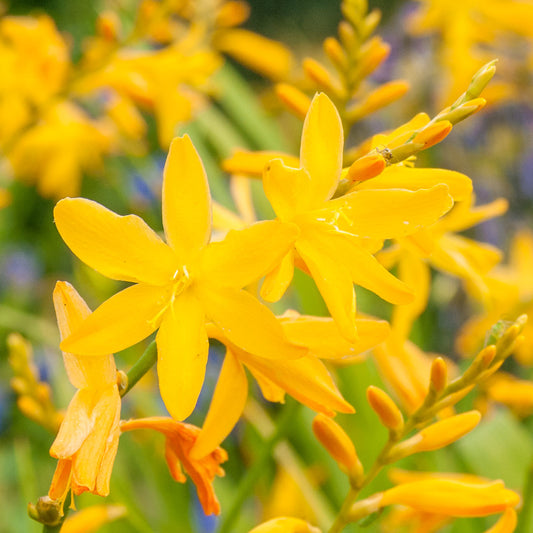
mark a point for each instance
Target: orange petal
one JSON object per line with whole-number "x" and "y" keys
{"x": 182, "y": 350}
{"x": 122, "y": 248}
{"x": 186, "y": 200}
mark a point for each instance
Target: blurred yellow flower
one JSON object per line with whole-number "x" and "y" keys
{"x": 177, "y": 285}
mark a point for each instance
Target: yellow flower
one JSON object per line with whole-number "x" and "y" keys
{"x": 180, "y": 439}
{"x": 93, "y": 518}
{"x": 337, "y": 236}
{"x": 177, "y": 285}
{"x": 87, "y": 441}
{"x": 306, "y": 379}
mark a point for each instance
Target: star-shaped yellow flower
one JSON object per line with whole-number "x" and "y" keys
{"x": 338, "y": 236}
{"x": 179, "y": 284}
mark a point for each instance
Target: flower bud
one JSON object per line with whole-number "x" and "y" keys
{"x": 338, "y": 445}
{"x": 295, "y": 100}
{"x": 439, "y": 375}
{"x": 336, "y": 54}
{"x": 366, "y": 167}
{"x": 320, "y": 75}
{"x": 388, "y": 412}
{"x": 433, "y": 133}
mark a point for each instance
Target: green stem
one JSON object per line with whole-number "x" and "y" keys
{"x": 258, "y": 468}
{"x": 526, "y": 514}
{"x": 139, "y": 369}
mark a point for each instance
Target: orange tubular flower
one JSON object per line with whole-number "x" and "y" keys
{"x": 87, "y": 441}
{"x": 177, "y": 285}
{"x": 180, "y": 439}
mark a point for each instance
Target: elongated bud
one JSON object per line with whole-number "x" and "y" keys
{"x": 232, "y": 13}
{"x": 347, "y": 35}
{"x": 439, "y": 375}
{"x": 452, "y": 498}
{"x": 366, "y": 167}
{"x": 295, "y": 100}
{"x": 437, "y": 435}
{"x": 385, "y": 408}
{"x": 456, "y": 114}
{"x": 433, "y": 133}
{"x": 373, "y": 54}
{"x": 320, "y": 75}
{"x": 380, "y": 97}
{"x": 336, "y": 54}
{"x": 479, "y": 81}
{"x": 371, "y": 22}
{"x": 338, "y": 445}
{"x": 108, "y": 26}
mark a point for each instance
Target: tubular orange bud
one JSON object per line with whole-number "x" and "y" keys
{"x": 366, "y": 167}
{"x": 380, "y": 97}
{"x": 439, "y": 375}
{"x": 385, "y": 408}
{"x": 373, "y": 54}
{"x": 336, "y": 54}
{"x": 296, "y": 101}
{"x": 433, "y": 133}
{"x": 438, "y": 435}
{"x": 452, "y": 498}
{"x": 320, "y": 75}
{"x": 232, "y": 14}
{"x": 338, "y": 445}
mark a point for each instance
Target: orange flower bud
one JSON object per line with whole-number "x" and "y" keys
{"x": 374, "y": 52}
{"x": 338, "y": 444}
{"x": 439, "y": 375}
{"x": 385, "y": 408}
{"x": 232, "y": 14}
{"x": 434, "y": 133}
{"x": 366, "y": 167}
{"x": 320, "y": 75}
{"x": 108, "y": 25}
{"x": 295, "y": 100}
{"x": 380, "y": 97}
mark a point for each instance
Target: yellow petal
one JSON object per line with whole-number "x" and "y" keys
{"x": 321, "y": 148}
{"x": 182, "y": 350}
{"x": 321, "y": 335}
{"x": 186, "y": 200}
{"x": 76, "y": 425}
{"x": 452, "y": 498}
{"x": 71, "y": 311}
{"x": 289, "y": 190}
{"x": 226, "y": 407}
{"x": 253, "y": 163}
{"x": 305, "y": 379}
{"x": 401, "y": 177}
{"x": 278, "y": 280}
{"x": 123, "y": 248}
{"x": 334, "y": 282}
{"x": 391, "y": 213}
{"x": 247, "y": 323}
{"x": 246, "y": 255}
{"x": 93, "y": 518}
{"x": 105, "y": 417}
{"x": 125, "y": 319}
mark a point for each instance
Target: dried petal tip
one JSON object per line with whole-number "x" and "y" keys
{"x": 338, "y": 445}
{"x": 385, "y": 408}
